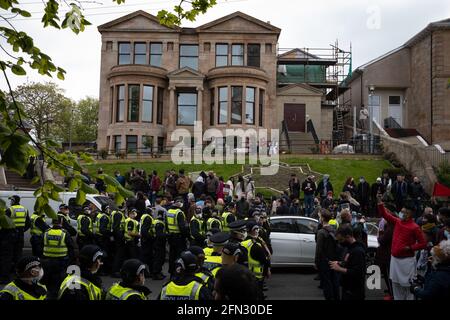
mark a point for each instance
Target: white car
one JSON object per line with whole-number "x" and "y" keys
{"x": 343, "y": 149}
{"x": 293, "y": 241}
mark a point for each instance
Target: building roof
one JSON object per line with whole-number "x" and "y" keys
{"x": 139, "y": 13}
{"x": 402, "y": 133}
{"x": 442, "y": 24}
{"x": 239, "y": 14}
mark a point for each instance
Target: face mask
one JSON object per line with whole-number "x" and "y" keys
{"x": 447, "y": 234}
{"x": 401, "y": 215}
{"x": 38, "y": 278}
{"x": 361, "y": 180}
{"x": 199, "y": 215}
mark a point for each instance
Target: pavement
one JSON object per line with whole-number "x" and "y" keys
{"x": 285, "y": 284}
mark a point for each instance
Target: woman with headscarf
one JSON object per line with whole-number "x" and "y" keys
{"x": 199, "y": 187}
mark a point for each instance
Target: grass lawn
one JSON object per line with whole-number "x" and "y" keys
{"x": 225, "y": 171}
{"x": 340, "y": 169}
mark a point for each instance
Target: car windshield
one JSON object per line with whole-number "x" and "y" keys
{"x": 106, "y": 201}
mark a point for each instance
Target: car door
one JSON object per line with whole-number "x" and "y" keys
{"x": 285, "y": 241}
{"x": 307, "y": 229}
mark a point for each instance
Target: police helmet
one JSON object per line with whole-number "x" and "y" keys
{"x": 187, "y": 262}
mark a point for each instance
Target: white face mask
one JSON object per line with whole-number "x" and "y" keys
{"x": 199, "y": 215}
{"x": 38, "y": 278}
{"x": 402, "y": 217}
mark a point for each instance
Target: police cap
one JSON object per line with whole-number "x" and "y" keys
{"x": 90, "y": 253}
{"x": 251, "y": 225}
{"x": 27, "y": 263}
{"x": 220, "y": 239}
{"x": 231, "y": 249}
{"x": 238, "y": 225}
{"x": 131, "y": 269}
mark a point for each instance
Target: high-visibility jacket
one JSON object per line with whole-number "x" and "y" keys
{"x": 172, "y": 291}
{"x": 151, "y": 229}
{"x": 18, "y": 215}
{"x": 135, "y": 229}
{"x": 155, "y": 223}
{"x": 212, "y": 262}
{"x": 200, "y": 225}
{"x": 74, "y": 281}
{"x": 210, "y": 223}
{"x": 122, "y": 219}
{"x": 208, "y": 251}
{"x": 34, "y": 229}
{"x": 55, "y": 243}
{"x": 117, "y": 292}
{"x": 19, "y": 294}
{"x": 97, "y": 223}
{"x": 225, "y": 227}
{"x": 254, "y": 266}
{"x": 81, "y": 217}
{"x": 172, "y": 221}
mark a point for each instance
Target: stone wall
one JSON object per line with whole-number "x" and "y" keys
{"x": 414, "y": 159}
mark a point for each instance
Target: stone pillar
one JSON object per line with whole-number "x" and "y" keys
{"x": 172, "y": 114}
{"x": 200, "y": 104}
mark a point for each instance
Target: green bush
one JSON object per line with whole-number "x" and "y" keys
{"x": 103, "y": 154}
{"x": 444, "y": 173}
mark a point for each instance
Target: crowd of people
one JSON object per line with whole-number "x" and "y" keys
{"x": 213, "y": 230}
{"x": 218, "y": 237}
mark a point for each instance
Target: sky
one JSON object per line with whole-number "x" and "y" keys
{"x": 372, "y": 27}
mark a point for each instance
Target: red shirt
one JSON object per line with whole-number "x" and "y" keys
{"x": 406, "y": 234}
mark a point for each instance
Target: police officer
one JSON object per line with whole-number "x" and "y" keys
{"x": 102, "y": 231}
{"x": 58, "y": 253}
{"x": 258, "y": 262}
{"x": 197, "y": 228}
{"x": 238, "y": 232}
{"x": 131, "y": 235}
{"x": 159, "y": 245}
{"x": 38, "y": 227}
{"x": 64, "y": 213}
{"x": 85, "y": 227}
{"x": 208, "y": 250}
{"x": 7, "y": 231}
{"x": 178, "y": 231}
{"x": 214, "y": 221}
{"x": 87, "y": 285}
{"x": 26, "y": 287}
{"x": 132, "y": 285}
{"x": 230, "y": 254}
{"x": 202, "y": 272}
{"x": 185, "y": 285}
{"x": 22, "y": 222}
{"x": 214, "y": 262}
{"x": 146, "y": 231}
{"x": 228, "y": 216}
{"x": 118, "y": 232}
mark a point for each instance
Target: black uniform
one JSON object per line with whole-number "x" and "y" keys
{"x": 119, "y": 241}
{"x": 88, "y": 236}
{"x": 197, "y": 235}
{"x": 66, "y": 224}
{"x": 36, "y": 239}
{"x": 103, "y": 239}
{"x": 147, "y": 240}
{"x": 159, "y": 248}
{"x": 6, "y": 252}
{"x": 17, "y": 237}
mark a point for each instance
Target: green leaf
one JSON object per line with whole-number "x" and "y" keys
{"x": 118, "y": 199}
{"x": 2, "y": 204}
{"x": 81, "y": 198}
{"x": 41, "y": 201}
{"x": 109, "y": 180}
{"x": 50, "y": 212}
{"x": 36, "y": 180}
{"x": 5, "y": 221}
{"x": 18, "y": 70}
{"x": 73, "y": 184}
{"x": 87, "y": 189}
{"x": 60, "y": 75}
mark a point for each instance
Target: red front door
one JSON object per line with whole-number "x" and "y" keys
{"x": 295, "y": 115}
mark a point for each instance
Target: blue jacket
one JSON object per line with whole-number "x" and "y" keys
{"x": 437, "y": 285}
